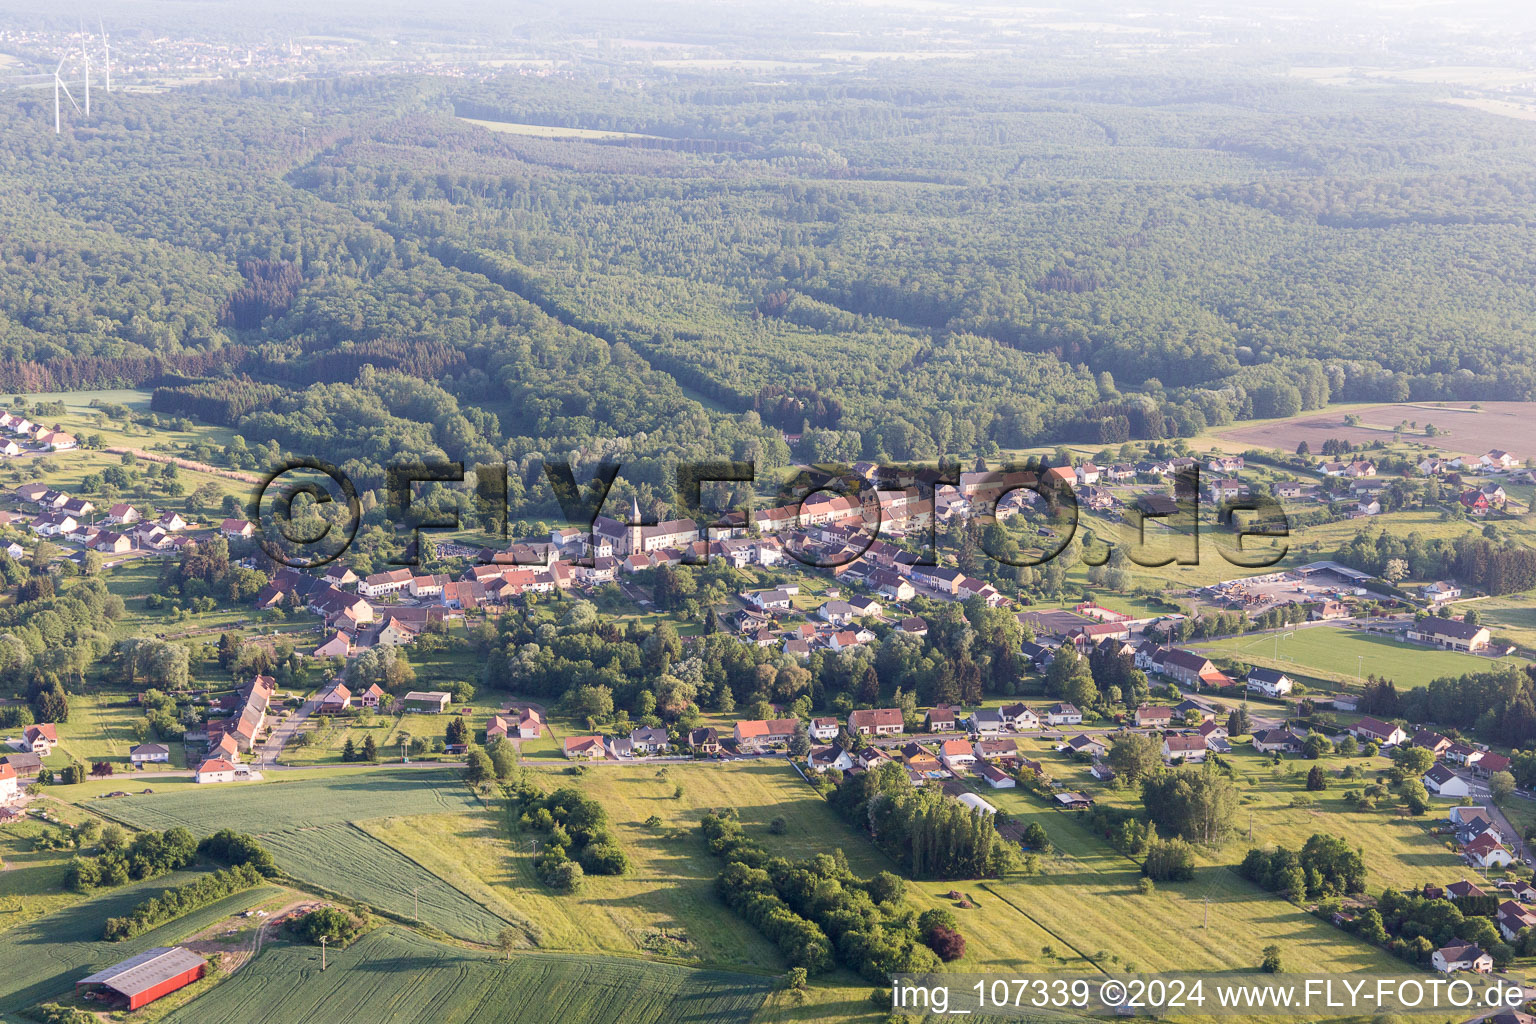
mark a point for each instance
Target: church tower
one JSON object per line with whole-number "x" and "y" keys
{"x": 634, "y": 526}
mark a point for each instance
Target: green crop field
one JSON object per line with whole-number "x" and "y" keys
{"x": 393, "y": 975}
{"x": 314, "y": 799}
{"x": 45, "y": 957}
{"x": 344, "y": 859}
{"x": 1337, "y": 653}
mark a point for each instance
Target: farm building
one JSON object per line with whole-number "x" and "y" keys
{"x": 976, "y": 803}
{"x": 142, "y": 979}
{"x": 428, "y": 702}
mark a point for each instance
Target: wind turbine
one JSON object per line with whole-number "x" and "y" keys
{"x": 106, "y": 45}
{"x": 58, "y": 83}
{"x": 86, "y": 57}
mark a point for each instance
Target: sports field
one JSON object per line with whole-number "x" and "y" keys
{"x": 1341, "y": 655}
{"x": 393, "y": 975}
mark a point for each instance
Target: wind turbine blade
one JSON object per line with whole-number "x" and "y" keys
{"x": 71, "y": 96}
{"x": 60, "y": 67}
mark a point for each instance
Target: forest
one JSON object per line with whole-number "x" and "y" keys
{"x": 877, "y": 263}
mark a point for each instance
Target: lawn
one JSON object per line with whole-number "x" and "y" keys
{"x": 295, "y": 800}
{"x": 1336, "y": 654}
{"x": 391, "y": 974}
{"x": 100, "y": 728}
{"x": 43, "y": 958}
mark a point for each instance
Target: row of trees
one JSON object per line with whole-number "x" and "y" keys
{"x": 181, "y": 900}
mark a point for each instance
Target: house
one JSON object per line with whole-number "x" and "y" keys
{"x": 996, "y": 777}
{"x": 705, "y": 741}
{"x": 1432, "y": 741}
{"x": 381, "y": 584}
{"x": 584, "y": 748}
{"x": 426, "y": 702}
{"x": 995, "y": 749}
{"x": 1372, "y": 730}
{"x": 824, "y": 729}
{"x": 1019, "y": 717}
{"x": 1450, "y": 634}
{"x": 150, "y": 753}
{"x": 499, "y": 726}
{"x": 1497, "y": 459}
{"x": 913, "y": 626}
{"x": 123, "y": 514}
{"x": 940, "y": 720}
{"x": 1276, "y": 741}
{"x": 171, "y": 522}
{"x": 1102, "y": 771}
{"x": 1187, "y": 668}
{"x": 51, "y": 524}
{"x": 1513, "y": 919}
{"x": 1489, "y": 764}
{"x": 920, "y": 759}
{"x": 649, "y": 739}
{"x": 839, "y": 613}
{"x": 142, "y": 979}
{"x": 957, "y": 754}
{"x": 1441, "y": 781}
{"x": 1270, "y": 682}
{"x": 1085, "y": 744}
{"x": 1441, "y": 591}
{"x": 821, "y": 759}
{"x": 236, "y": 528}
{"x": 335, "y": 698}
{"x": 777, "y": 600}
{"x": 1487, "y": 852}
{"x": 337, "y": 645}
{"x": 1462, "y": 956}
{"x": 987, "y": 722}
{"x": 1211, "y": 731}
{"x": 1063, "y": 714}
{"x": 215, "y": 769}
{"x": 756, "y": 734}
{"x": 40, "y": 739}
{"x": 110, "y": 542}
{"x": 1184, "y": 748}
{"x": 620, "y": 747}
{"x": 876, "y": 722}
{"x": 1149, "y": 716}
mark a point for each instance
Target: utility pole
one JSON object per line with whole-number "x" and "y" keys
{"x": 322, "y": 952}
{"x": 1250, "y": 826}
{"x": 416, "y": 905}
{"x": 1207, "y": 923}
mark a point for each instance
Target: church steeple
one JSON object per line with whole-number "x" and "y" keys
{"x": 635, "y": 543}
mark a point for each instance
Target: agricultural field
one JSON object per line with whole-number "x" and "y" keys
{"x": 1343, "y": 655}
{"x": 546, "y": 131}
{"x": 42, "y": 959}
{"x": 448, "y": 985}
{"x": 1461, "y": 429}
{"x": 334, "y": 797}
{"x": 345, "y": 859}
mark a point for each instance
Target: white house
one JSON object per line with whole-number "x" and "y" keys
{"x": 1443, "y": 782}
{"x": 215, "y": 769}
{"x": 1270, "y": 682}
{"x": 1063, "y": 714}
{"x": 1462, "y": 956}
{"x": 150, "y": 753}
{"x": 823, "y": 729}
{"x": 8, "y": 783}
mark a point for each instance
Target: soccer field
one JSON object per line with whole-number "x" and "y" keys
{"x": 1337, "y": 654}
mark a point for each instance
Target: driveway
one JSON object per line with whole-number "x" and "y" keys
{"x": 284, "y": 732}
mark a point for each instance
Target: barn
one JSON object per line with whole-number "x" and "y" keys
{"x": 142, "y": 979}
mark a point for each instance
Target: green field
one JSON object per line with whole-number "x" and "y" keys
{"x": 44, "y": 958}
{"x": 342, "y": 858}
{"x": 395, "y": 976}
{"x": 1333, "y": 654}
{"x": 309, "y": 801}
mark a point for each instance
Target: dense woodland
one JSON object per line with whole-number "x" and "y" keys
{"x": 887, "y": 262}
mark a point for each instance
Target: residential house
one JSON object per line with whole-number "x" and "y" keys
{"x": 337, "y": 645}
{"x": 957, "y": 754}
{"x": 941, "y": 720}
{"x": 381, "y": 584}
{"x": 1270, "y": 682}
{"x": 1063, "y": 714}
{"x": 9, "y": 783}
{"x": 995, "y": 776}
{"x": 335, "y": 698}
{"x": 1441, "y": 591}
{"x": 149, "y": 753}
{"x": 1432, "y": 741}
{"x": 123, "y": 514}
{"x": 1442, "y": 781}
{"x": 987, "y": 722}
{"x": 40, "y": 739}
{"x": 1276, "y": 741}
{"x": 821, "y": 759}
{"x": 876, "y": 722}
{"x": 823, "y": 730}
{"x": 237, "y": 529}
{"x": 52, "y": 524}
{"x": 1019, "y": 717}
{"x": 649, "y": 739}
{"x": 216, "y": 769}
{"x": 704, "y": 741}
{"x": 1187, "y": 668}
{"x": 1372, "y": 730}
{"x": 1462, "y": 956}
{"x": 171, "y": 522}
{"x": 585, "y": 748}
{"x": 1182, "y": 748}
{"x": 1512, "y": 919}
{"x": 1085, "y": 744}
{"x": 1151, "y": 717}
{"x": 756, "y": 734}
{"x": 1487, "y": 852}
{"x": 1490, "y": 764}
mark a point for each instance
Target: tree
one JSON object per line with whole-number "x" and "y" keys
{"x": 1502, "y": 786}
{"x": 1315, "y": 746}
{"x": 478, "y": 767}
{"x": 1237, "y": 722}
{"x": 370, "y": 749}
{"x": 348, "y": 750}
{"x": 1271, "y": 962}
{"x": 1134, "y": 756}
{"x": 1169, "y": 860}
{"x": 457, "y": 732}
{"x": 1317, "y": 779}
{"x": 506, "y": 941}
{"x": 1035, "y": 837}
{"x": 1413, "y": 760}
{"x": 1196, "y": 804}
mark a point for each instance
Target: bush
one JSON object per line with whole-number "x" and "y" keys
{"x": 1169, "y": 860}
{"x": 947, "y": 943}
{"x": 333, "y": 925}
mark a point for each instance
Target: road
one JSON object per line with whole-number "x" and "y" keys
{"x": 283, "y": 732}
{"x": 1481, "y": 794}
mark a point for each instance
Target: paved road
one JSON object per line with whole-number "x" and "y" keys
{"x": 1482, "y": 795}
{"x": 284, "y": 732}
